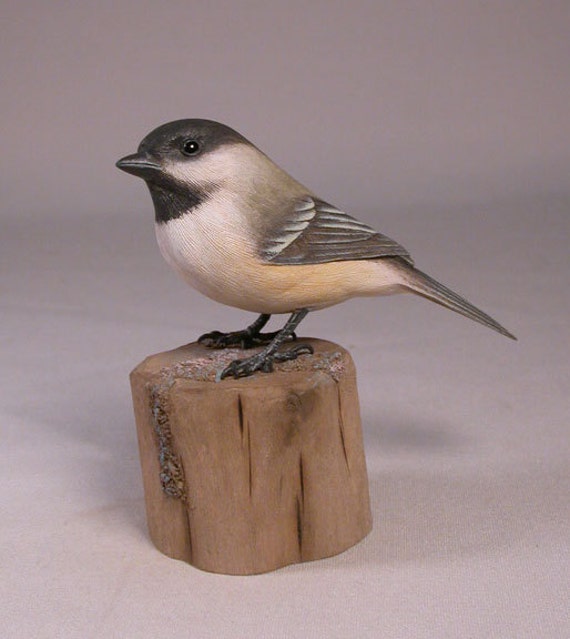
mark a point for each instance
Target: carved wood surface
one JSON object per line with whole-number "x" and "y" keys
{"x": 245, "y": 476}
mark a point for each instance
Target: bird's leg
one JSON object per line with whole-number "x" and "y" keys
{"x": 250, "y": 337}
{"x": 264, "y": 360}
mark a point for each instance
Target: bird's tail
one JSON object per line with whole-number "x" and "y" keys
{"x": 427, "y": 287}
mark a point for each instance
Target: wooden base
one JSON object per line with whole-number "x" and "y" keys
{"x": 246, "y": 476}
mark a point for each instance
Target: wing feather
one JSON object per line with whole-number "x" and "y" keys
{"x": 317, "y": 232}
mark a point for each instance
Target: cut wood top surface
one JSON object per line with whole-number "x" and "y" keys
{"x": 194, "y": 362}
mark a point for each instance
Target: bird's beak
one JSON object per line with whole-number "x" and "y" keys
{"x": 139, "y": 164}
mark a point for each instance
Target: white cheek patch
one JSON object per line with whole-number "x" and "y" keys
{"x": 226, "y": 164}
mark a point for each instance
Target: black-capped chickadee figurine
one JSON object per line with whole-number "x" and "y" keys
{"x": 242, "y": 231}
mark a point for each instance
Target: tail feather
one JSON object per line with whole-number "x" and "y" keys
{"x": 431, "y": 289}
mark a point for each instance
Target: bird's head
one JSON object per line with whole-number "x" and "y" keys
{"x": 186, "y": 161}
{"x": 187, "y": 153}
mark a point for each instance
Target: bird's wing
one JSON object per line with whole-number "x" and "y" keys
{"x": 316, "y": 232}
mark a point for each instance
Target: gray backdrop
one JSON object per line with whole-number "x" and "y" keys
{"x": 445, "y": 125}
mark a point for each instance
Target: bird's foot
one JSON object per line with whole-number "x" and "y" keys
{"x": 263, "y": 361}
{"x": 238, "y": 339}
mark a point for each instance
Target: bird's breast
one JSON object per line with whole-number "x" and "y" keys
{"x": 209, "y": 247}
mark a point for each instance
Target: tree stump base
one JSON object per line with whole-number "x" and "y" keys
{"x": 246, "y": 476}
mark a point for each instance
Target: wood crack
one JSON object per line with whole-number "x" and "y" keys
{"x": 240, "y": 413}
{"x": 300, "y": 505}
{"x": 249, "y": 463}
{"x": 341, "y": 430}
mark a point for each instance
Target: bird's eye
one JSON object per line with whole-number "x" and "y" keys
{"x": 190, "y": 147}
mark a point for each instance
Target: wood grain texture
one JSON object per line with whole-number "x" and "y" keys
{"x": 246, "y": 476}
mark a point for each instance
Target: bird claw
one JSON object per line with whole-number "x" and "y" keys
{"x": 263, "y": 362}
{"x": 215, "y": 339}
{"x": 293, "y": 353}
{"x": 237, "y": 339}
